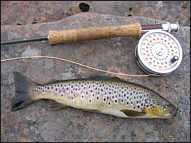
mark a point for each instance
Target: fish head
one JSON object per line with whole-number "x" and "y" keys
{"x": 159, "y": 107}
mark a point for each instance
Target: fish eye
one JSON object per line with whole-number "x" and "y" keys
{"x": 167, "y": 104}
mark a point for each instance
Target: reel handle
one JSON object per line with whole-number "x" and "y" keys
{"x": 93, "y": 33}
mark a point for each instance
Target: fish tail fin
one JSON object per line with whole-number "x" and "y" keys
{"x": 22, "y": 97}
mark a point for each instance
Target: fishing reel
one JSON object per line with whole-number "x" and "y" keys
{"x": 159, "y": 52}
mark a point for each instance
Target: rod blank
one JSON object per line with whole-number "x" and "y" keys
{"x": 24, "y": 40}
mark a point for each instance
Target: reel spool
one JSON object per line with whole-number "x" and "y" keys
{"x": 158, "y": 52}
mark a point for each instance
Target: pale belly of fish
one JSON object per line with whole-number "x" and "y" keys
{"x": 110, "y": 96}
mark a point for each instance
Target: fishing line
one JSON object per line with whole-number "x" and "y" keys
{"x": 56, "y": 58}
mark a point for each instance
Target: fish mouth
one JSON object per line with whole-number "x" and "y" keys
{"x": 169, "y": 113}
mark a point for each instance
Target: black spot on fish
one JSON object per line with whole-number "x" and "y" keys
{"x": 127, "y": 103}
{"x": 52, "y": 87}
{"x": 127, "y": 97}
{"x": 137, "y": 102}
{"x": 114, "y": 91}
{"x": 101, "y": 90}
{"x": 124, "y": 95}
{"x": 141, "y": 104}
{"x": 109, "y": 92}
{"x": 130, "y": 93}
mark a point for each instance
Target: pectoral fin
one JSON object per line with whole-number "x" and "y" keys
{"x": 132, "y": 113}
{"x": 56, "y": 106}
{"x": 91, "y": 110}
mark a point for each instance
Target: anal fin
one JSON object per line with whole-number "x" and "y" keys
{"x": 53, "y": 105}
{"x": 132, "y": 113}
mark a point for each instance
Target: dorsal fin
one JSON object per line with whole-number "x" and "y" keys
{"x": 103, "y": 77}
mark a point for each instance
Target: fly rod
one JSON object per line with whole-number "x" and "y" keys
{"x": 94, "y": 33}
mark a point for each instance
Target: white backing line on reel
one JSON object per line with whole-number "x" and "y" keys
{"x": 158, "y": 52}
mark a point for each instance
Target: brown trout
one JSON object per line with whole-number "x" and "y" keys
{"x": 110, "y": 96}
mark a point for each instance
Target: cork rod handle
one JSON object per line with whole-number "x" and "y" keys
{"x": 93, "y": 33}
